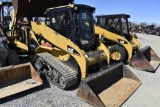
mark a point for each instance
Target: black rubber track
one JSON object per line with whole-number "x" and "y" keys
{"x": 69, "y": 75}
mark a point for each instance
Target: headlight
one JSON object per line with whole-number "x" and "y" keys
{"x": 84, "y": 42}
{"x": 121, "y": 41}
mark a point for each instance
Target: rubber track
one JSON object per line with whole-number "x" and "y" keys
{"x": 56, "y": 64}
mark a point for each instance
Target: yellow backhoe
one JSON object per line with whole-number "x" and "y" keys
{"x": 66, "y": 49}
{"x": 14, "y": 77}
{"x": 114, "y": 29}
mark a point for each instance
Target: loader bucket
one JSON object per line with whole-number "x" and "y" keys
{"x": 145, "y": 59}
{"x": 110, "y": 87}
{"x": 18, "y": 78}
{"x": 36, "y": 8}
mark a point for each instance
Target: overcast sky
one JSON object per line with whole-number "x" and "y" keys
{"x": 140, "y": 10}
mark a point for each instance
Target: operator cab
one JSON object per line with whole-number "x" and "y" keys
{"x": 75, "y": 22}
{"x": 117, "y": 23}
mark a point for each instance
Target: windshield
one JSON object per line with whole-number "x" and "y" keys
{"x": 85, "y": 29}
{"x": 85, "y": 20}
{"x": 124, "y": 26}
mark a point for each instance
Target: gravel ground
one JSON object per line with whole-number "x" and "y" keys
{"x": 148, "y": 94}
{"x": 47, "y": 95}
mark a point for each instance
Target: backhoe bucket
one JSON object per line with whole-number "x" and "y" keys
{"x": 146, "y": 60}
{"x": 110, "y": 87}
{"x": 18, "y": 78}
{"x": 36, "y": 8}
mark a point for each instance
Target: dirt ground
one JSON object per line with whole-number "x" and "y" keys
{"x": 48, "y": 95}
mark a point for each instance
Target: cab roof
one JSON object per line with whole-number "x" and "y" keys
{"x": 114, "y": 16}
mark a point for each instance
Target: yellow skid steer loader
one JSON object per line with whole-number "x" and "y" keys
{"x": 114, "y": 30}
{"x": 66, "y": 48}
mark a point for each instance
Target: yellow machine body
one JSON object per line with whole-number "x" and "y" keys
{"x": 57, "y": 40}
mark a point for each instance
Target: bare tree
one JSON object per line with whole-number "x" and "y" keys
{"x": 133, "y": 24}
{"x": 143, "y": 24}
{"x": 154, "y": 24}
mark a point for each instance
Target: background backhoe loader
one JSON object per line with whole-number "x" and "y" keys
{"x": 66, "y": 49}
{"x": 114, "y": 30}
{"x": 14, "y": 78}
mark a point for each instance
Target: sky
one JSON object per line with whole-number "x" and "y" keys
{"x": 140, "y": 10}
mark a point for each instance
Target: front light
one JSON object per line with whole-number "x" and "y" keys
{"x": 84, "y": 42}
{"x": 121, "y": 41}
